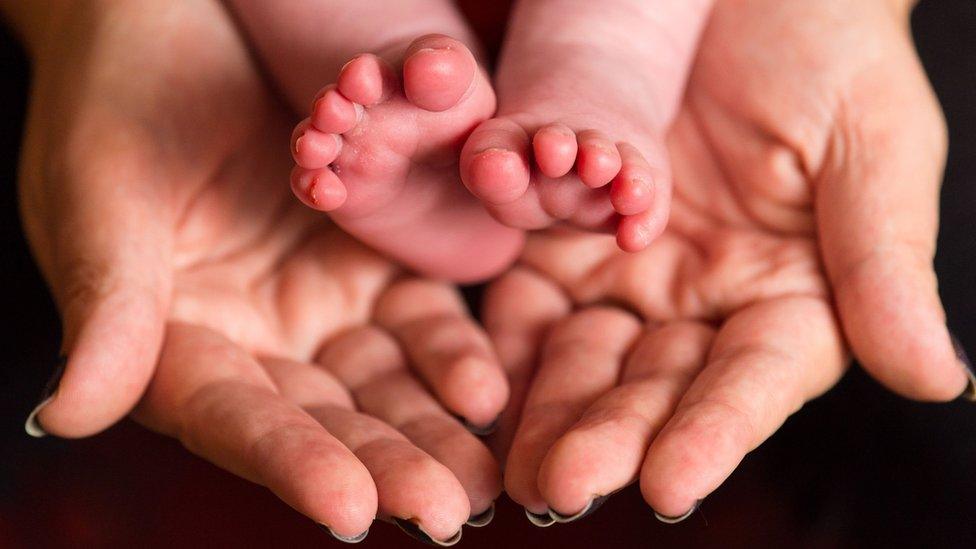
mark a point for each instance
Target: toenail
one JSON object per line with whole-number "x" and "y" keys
{"x": 967, "y": 365}
{"x": 483, "y": 518}
{"x": 441, "y": 49}
{"x": 32, "y": 425}
{"x": 592, "y": 506}
{"x": 542, "y": 520}
{"x": 346, "y": 539}
{"x": 417, "y": 532}
{"x": 679, "y": 518}
{"x": 310, "y": 193}
{"x": 492, "y": 151}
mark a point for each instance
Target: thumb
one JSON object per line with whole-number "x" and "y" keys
{"x": 877, "y": 212}
{"x": 103, "y": 245}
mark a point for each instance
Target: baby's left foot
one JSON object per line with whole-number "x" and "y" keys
{"x": 586, "y": 91}
{"x": 379, "y": 152}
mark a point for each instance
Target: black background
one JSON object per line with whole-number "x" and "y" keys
{"x": 857, "y": 467}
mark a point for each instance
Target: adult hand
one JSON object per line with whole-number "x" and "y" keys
{"x": 808, "y": 157}
{"x": 350, "y": 432}
{"x": 154, "y": 192}
{"x": 154, "y": 187}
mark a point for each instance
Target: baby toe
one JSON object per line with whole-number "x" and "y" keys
{"x": 555, "y": 149}
{"x": 598, "y": 160}
{"x": 334, "y": 113}
{"x": 495, "y": 163}
{"x": 632, "y": 190}
{"x": 636, "y": 232}
{"x": 319, "y": 189}
{"x": 366, "y": 80}
{"x": 313, "y": 149}
{"x": 437, "y": 72}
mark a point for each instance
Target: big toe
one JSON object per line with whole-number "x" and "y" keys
{"x": 437, "y": 72}
{"x": 495, "y": 162}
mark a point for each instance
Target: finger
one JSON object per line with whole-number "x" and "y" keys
{"x": 581, "y": 360}
{"x": 101, "y": 237}
{"x": 410, "y": 485}
{"x": 877, "y": 213}
{"x": 519, "y": 308}
{"x": 370, "y": 364}
{"x": 604, "y": 450}
{"x": 221, "y": 404}
{"x": 766, "y": 362}
{"x": 446, "y": 347}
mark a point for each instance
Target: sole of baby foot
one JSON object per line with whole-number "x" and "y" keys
{"x": 380, "y": 151}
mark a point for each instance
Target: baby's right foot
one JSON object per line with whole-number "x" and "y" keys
{"x": 583, "y": 109}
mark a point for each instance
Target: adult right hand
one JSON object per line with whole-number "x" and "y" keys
{"x": 137, "y": 115}
{"x": 154, "y": 193}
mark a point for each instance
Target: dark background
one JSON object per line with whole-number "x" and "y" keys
{"x": 857, "y": 467}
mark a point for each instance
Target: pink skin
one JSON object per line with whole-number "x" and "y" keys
{"x": 379, "y": 153}
{"x": 802, "y": 231}
{"x": 221, "y": 302}
{"x": 567, "y": 147}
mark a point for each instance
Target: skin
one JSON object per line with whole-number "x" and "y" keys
{"x": 403, "y": 87}
{"x": 174, "y": 249}
{"x": 586, "y": 93}
{"x": 106, "y": 280}
{"x": 379, "y": 152}
{"x": 803, "y": 229}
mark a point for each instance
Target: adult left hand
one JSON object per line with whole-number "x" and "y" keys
{"x": 807, "y": 159}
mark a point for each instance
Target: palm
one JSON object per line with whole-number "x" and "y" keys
{"x": 256, "y": 265}
{"x": 755, "y": 133}
{"x": 799, "y": 120}
{"x": 245, "y": 258}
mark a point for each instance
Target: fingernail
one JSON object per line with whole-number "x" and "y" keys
{"x": 32, "y": 425}
{"x": 483, "y": 518}
{"x": 344, "y": 539}
{"x": 414, "y": 530}
{"x": 970, "y": 392}
{"x": 479, "y": 430}
{"x": 592, "y": 506}
{"x": 542, "y": 520}
{"x": 675, "y": 520}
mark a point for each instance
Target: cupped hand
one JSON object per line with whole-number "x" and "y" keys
{"x": 154, "y": 188}
{"x": 154, "y": 192}
{"x": 808, "y": 157}
{"x": 351, "y": 432}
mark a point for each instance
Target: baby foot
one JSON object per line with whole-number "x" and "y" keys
{"x": 380, "y": 154}
{"x": 567, "y": 171}
{"x": 586, "y": 93}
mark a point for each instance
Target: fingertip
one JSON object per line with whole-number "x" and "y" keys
{"x": 110, "y": 363}
{"x": 894, "y": 321}
{"x": 476, "y": 389}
